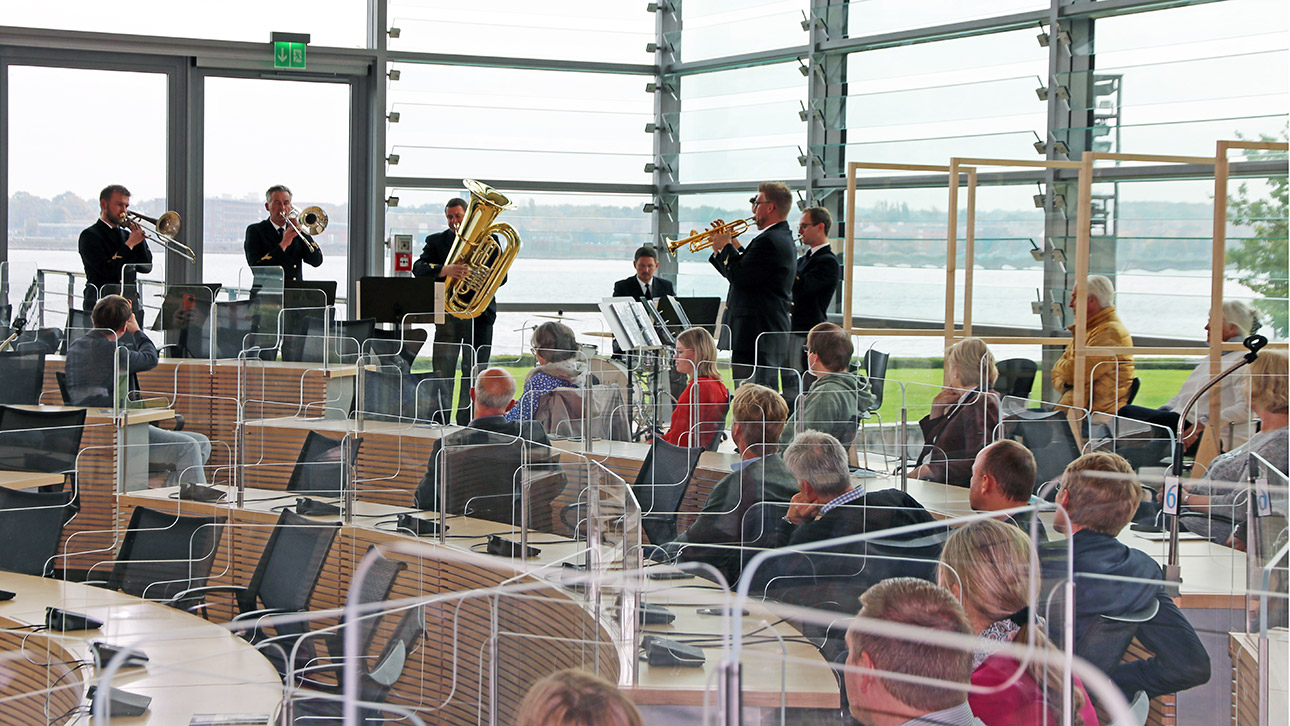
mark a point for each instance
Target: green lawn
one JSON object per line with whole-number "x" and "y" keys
{"x": 920, "y": 385}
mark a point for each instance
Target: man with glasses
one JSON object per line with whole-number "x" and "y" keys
{"x": 761, "y": 286}
{"x": 817, "y": 278}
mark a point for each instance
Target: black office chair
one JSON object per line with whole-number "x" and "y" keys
{"x": 46, "y": 341}
{"x": 719, "y": 434}
{"x": 24, "y": 378}
{"x": 660, "y": 487}
{"x": 45, "y": 441}
{"x": 31, "y": 528}
{"x": 165, "y": 554}
{"x": 485, "y": 478}
{"x": 875, "y": 369}
{"x": 319, "y": 468}
{"x": 375, "y": 587}
{"x": 347, "y": 339}
{"x": 377, "y": 679}
{"x": 1016, "y": 377}
{"x": 1108, "y": 637}
{"x": 78, "y": 324}
{"x": 1049, "y": 437}
{"x": 285, "y": 578}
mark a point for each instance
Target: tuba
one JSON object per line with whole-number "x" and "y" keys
{"x": 489, "y": 259}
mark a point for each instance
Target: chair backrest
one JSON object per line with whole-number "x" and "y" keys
{"x": 1133, "y": 390}
{"x": 375, "y": 587}
{"x": 31, "y": 527}
{"x": 389, "y": 666}
{"x": 45, "y": 441}
{"x": 234, "y": 320}
{"x": 291, "y": 564}
{"x": 1107, "y": 638}
{"x": 41, "y": 340}
{"x": 347, "y": 338}
{"x": 1048, "y": 436}
{"x": 717, "y": 429}
{"x": 164, "y": 554}
{"x": 319, "y": 467}
{"x": 660, "y": 487}
{"x": 24, "y": 377}
{"x": 61, "y": 378}
{"x": 78, "y": 324}
{"x": 1016, "y": 377}
{"x": 875, "y": 368}
{"x": 560, "y": 412}
{"x": 484, "y": 476}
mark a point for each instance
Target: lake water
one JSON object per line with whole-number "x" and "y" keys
{"x": 1169, "y": 303}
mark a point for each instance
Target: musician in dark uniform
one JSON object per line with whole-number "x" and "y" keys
{"x": 761, "y": 286}
{"x": 274, "y": 243}
{"x": 818, "y": 272}
{"x": 114, "y": 252}
{"x": 644, "y": 285}
{"x": 454, "y": 333}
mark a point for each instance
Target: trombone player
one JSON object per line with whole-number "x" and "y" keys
{"x": 277, "y": 241}
{"x": 114, "y": 250}
{"x": 761, "y": 286}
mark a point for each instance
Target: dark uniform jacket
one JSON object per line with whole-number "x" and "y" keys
{"x": 263, "y": 247}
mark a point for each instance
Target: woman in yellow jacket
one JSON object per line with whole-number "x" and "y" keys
{"x": 1108, "y": 377}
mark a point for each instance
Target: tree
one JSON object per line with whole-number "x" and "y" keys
{"x": 1262, "y": 258}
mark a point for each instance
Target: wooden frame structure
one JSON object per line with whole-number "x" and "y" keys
{"x": 1087, "y": 172}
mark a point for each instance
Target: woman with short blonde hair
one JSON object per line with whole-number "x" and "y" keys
{"x": 963, "y": 418}
{"x": 700, "y": 413}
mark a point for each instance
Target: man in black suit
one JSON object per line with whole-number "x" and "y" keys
{"x": 455, "y": 333}
{"x": 761, "y": 286}
{"x": 482, "y": 463}
{"x": 644, "y": 285}
{"x": 817, "y": 278}
{"x": 274, "y": 243}
{"x": 114, "y": 252}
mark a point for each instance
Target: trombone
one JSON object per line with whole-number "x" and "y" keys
{"x": 703, "y": 240}
{"x": 312, "y": 220}
{"x": 163, "y": 231}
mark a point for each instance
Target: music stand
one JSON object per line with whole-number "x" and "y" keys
{"x": 389, "y": 299}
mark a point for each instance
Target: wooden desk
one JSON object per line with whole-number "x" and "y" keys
{"x": 28, "y": 479}
{"x": 555, "y": 612}
{"x": 1244, "y": 651}
{"x": 194, "y": 666}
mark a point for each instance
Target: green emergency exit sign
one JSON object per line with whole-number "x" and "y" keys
{"x": 289, "y": 49}
{"x": 288, "y": 55}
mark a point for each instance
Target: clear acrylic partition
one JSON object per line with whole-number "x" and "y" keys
{"x": 814, "y": 589}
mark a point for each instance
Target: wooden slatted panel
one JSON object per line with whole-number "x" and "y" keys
{"x": 445, "y": 679}
{"x": 1245, "y": 680}
{"x": 31, "y": 691}
{"x": 1163, "y": 708}
{"x": 90, "y": 538}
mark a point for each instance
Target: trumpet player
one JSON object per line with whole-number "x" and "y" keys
{"x": 114, "y": 251}
{"x": 761, "y": 286}
{"x": 275, "y": 242}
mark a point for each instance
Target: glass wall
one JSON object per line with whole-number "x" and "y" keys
{"x": 60, "y": 157}
{"x": 245, "y": 156}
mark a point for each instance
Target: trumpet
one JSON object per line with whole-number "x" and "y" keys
{"x": 163, "y": 231}
{"x": 703, "y": 240}
{"x": 312, "y": 220}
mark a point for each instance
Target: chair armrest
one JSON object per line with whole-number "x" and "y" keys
{"x": 196, "y": 595}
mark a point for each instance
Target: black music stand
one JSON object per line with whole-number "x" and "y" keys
{"x": 388, "y": 299}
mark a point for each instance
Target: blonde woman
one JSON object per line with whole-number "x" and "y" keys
{"x": 985, "y": 565}
{"x": 576, "y": 698}
{"x": 700, "y": 413}
{"x": 963, "y": 417}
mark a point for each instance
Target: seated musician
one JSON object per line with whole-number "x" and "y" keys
{"x": 700, "y": 412}
{"x": 556, "y": 353}
{"x": 833, "y": 402}
{"x": 482, "y": 462}
{"x": 963, "y": 417}
{"x": 644, "y": 285}
{"x": 117, "y": 344}
{"x": 759, "y": 476}
{"x": 826, "y": 507}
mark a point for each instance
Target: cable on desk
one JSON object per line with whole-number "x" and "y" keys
{"x": 49, "y": 692}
